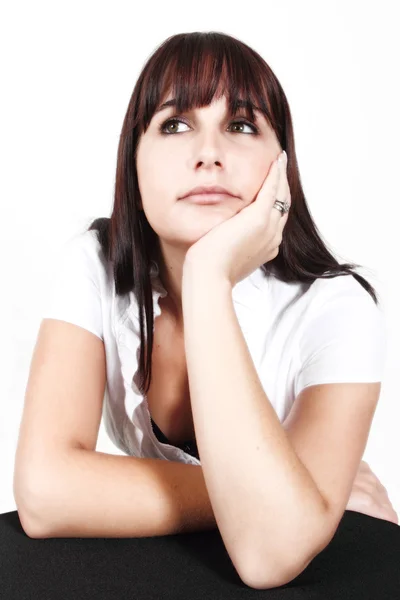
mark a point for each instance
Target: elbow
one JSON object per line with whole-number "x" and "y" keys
{"x": 264, "y": 567}
{"x": 30, "y": 523}
{"x": 31, "y": 528}
{"x": 29, "y": 513}
{"x": 261, "y": 572}
{"x": 269, "y": 576}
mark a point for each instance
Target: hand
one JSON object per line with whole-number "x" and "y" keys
{"x": 369, "y": 496}
{"x": 238, "y": 246}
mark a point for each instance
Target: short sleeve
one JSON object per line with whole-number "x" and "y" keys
{"x": 74, "y": 290}
{"x": 345, "y": 340}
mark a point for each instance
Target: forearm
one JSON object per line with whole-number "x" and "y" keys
{"x": 266, "y": 503}
{"x": 93, "y": 494}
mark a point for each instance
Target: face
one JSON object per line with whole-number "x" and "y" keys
{"x": 208, "y": 148}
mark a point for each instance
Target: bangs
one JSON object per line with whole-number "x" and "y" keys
{"x": 195, "y": 69}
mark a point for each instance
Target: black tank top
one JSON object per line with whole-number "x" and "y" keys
{"x": 190, "y": 446}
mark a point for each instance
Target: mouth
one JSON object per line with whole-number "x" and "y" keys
{"x": 208, "y": 198}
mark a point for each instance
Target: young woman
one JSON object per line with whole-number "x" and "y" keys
{"x": 230, "y": 342}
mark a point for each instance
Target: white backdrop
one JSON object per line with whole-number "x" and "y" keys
{"x": 68, "y": 71}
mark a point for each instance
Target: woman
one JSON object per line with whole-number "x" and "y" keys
{"x": 208, "y": 111}
{"x": 159, "y": 170}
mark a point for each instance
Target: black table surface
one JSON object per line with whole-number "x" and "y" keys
{"x": 362, "y": 562}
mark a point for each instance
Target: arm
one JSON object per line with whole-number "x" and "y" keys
{"x": 266, "y": 503}
{"x": 93, "y": 494}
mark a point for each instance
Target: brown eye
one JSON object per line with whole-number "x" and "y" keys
{"x": 252, "y": 127}
{"x": 167, "y": 123}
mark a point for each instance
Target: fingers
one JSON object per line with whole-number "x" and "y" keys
{"x": 388, "y": 514}
{"x": 283, "y": 187}
{"x": 272, "y": 187}
{"x": 379, "y": 511}
{"x": 275, "y": 187}
{"x": 280, "y": 192}
{"x": 368, "y": 498}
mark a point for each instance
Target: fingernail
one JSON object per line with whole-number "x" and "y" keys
{"x": 283, "y": 157}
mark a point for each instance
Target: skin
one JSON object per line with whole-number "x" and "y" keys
{"x": 208, "y": 149}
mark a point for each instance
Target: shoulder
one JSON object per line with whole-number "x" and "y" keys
{"x": 343, "y": 335}
{"x": 83, "y": 253}
{"x": 80, "y": 285}
{"x": 343, "y": 300}
{"x": 86, "y": 245}
{"x": 339, "y": 311}
{"x": 333, "y": 286}
{"x": 340, "y": 296}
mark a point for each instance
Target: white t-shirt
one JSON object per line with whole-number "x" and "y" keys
{"x": 298, "y": 334}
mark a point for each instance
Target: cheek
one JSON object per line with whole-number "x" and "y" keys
{"x": 260, "y": 172}
{"x": 253, "y": 185}
{"x": 157, "y": 183}
{"x": 254, "y": 172}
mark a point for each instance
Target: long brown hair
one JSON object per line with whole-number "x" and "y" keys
{"x": 199, "y": 67}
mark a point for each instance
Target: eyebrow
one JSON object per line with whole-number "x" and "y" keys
{"x": 172, "y": 102}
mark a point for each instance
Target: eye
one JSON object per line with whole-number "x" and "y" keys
{"x": 247, "y": 124}
{"x": 164, "y": 125}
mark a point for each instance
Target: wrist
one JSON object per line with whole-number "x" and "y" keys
{"x": 199, "y": 273}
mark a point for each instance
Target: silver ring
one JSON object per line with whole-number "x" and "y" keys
{"x": 282, "y": 205}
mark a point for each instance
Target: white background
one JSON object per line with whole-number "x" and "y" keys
{"x": 67, "y": 74}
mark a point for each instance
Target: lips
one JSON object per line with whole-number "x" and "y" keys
{"x": 208, "y": 198}
{"x": 207, "y": 189}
